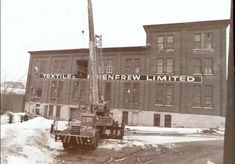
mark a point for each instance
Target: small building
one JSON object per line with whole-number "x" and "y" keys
{"x": 12, "y": 99}
{"x": 177, "y": 80}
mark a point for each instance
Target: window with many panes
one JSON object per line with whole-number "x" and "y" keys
{"x": 160, "y": 43}
{"x": 39, "y": 66}
{"x": 165, "y": 65}
{"x": 197, "y": 95}
{"x": 57, "y": 89}
{"x": 208, "y": 96}
{"x": 136, "y": 93}
{"x": 127, "y": 93}
{"x": 203, "y": 96}
{"x": 208, "y": 66}
{"x": 170, "y": 41}
{"x": 128, "y": 65}
{"x": 137, "y": 65}
{"x": 164, "y": 94}
{"x": 58, "y": 110}
{"x": 59, "y": 66}
{"x": 203, "y": 40}
{"x": 109, "y": 66}
{"x": 82, "y": 90}
{"x": 50, "y": 110}
{"x": 107, "y": 93}
{"x": 133, "y": 65}
{"x": 197, "y": 66}
{"x": 169, "y": 94}
{"x": 169, "y": 65}
{"x": 159, "y": 93}
{"x": 160, "y": 66}
{"x": 75, "y": 91}
{"x": 131, "y": 93}
{"x": 165, "y": 42}
{"x": 36, "y": 90}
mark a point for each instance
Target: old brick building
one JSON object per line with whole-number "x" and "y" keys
{"x": 190, "y": 49}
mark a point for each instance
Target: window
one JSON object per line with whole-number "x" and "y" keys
{"x": 137, "y": 65}
{"x": 107, "y": 94}
{"x": 165, "y": 66}
{"x": 208, "y": 96}
{"x": 208, "y": 66}
{"x": 203, "y": 41}
{"x": 58, "y": 109}
{"x": 56, "y": 65}
{"x": 39, "y": 66}
{"x": 133, "y": 65}
{"x": 135, "y": 93}
{"x": 159, "y": 93}
{"x": 169, "y": 94}
{"x": 160, "y": 43}
{"x": 81, "y": 69}
{"x": 128, "y": 64}
{"x": 197, "y": 41}
{"x": 159, "y": 66}
{"x": 197, "y": 66}
{"x": 164, "y": 94}
{"x": 197, "y": 95}
{"x": 208, "y": 40}
{"x": 50, "y": 110}
{"x": 127, "y": 93}
{"x": 59, "y": 66}
{"x": 60, "y": 89}
{"x": 131, "y": 93}
{"x": 57, "y": 89}
{"x": 170, "y": 41}
{"x": 82, "y": 90}
{"x": 36, "y": 91}
{"x": 109, "y": 66}
{"x": 75, "y": 89}
{"x": 169, "y": 65}
{"x": 53, "y": 89}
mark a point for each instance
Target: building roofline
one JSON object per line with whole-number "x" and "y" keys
{"x": 86, "y": 50}
{"x": 196, "y": 24}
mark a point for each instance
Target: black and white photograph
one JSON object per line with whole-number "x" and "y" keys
{"x": 117, "y": 82}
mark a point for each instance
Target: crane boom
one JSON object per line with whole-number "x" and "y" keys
{"x": 94, "y": 93}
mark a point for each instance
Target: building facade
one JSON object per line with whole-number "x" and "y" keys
{"x": 172, "y": 50}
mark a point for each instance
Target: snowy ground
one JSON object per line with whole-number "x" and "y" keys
{"x": 31, "y": 142}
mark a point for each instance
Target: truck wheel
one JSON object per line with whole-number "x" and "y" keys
{"x": 94, "y": 145}
{"x": 65, "y": 145}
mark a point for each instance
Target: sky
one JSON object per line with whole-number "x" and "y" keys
{"x": 31, "y": 25}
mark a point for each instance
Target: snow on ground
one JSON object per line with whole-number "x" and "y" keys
{"x": 154, "y": 141}
{"x": 28, "y": 142}
{"x": 31, "y": 141}
{"x": 16, "y": 117}
{"x": 148, "y": 129}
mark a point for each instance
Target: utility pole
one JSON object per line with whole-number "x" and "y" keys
{"x": 94, "y": 96}
{"x": 229, "y": 140}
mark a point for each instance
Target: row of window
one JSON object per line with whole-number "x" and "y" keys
{"x": 203, "y": 96}
{"x": 164, "y": 94}
{"x": 131, "y": 65}
{"x": 200, "y": 41}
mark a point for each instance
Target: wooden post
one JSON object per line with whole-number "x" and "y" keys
{"x": 229, "y": 140}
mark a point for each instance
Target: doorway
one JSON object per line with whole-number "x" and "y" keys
{"x": 168, "y": 120}
{"x": 125, "y": 117}
{"x": 156, "y": 120}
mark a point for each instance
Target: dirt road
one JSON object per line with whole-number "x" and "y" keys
{"x": 183, "y": 153}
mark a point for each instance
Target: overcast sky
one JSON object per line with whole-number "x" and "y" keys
{"x": 30, "y": 25}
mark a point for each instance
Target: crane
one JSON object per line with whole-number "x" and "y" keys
{"x": 96, "y": 121}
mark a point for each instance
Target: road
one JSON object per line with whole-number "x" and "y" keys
{"x": 181, "y": 153}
